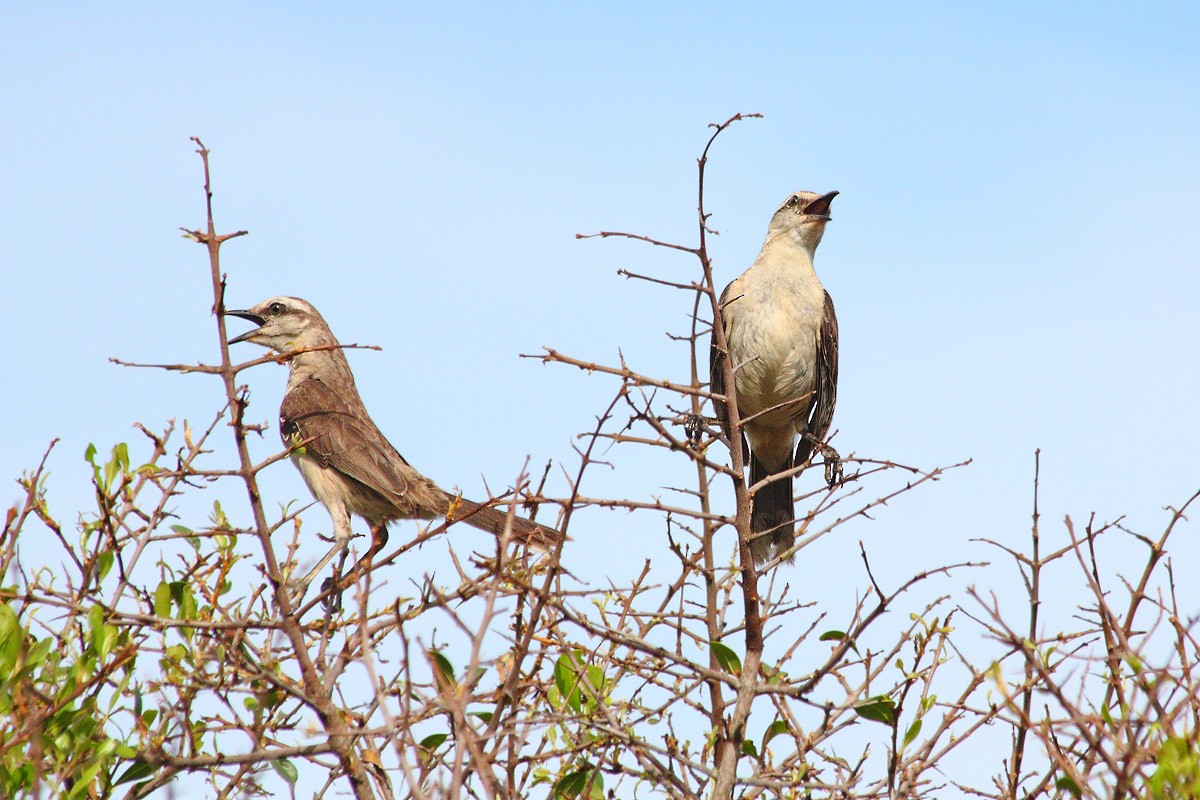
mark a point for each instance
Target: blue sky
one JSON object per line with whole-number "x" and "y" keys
{"x": 1013, "y": 255}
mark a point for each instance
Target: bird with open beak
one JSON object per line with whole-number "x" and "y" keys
{"x": 347, "y": 462}
{"x": 782, "y": 338}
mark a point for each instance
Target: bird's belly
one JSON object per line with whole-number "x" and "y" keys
{"x": 332, "y": 488}
{"x": 774, "y": 354}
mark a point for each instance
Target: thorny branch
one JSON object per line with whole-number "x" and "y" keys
{"x": 689, "y": 674}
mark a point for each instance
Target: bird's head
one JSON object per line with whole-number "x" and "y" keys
{"x": 804, "y": 215}
{"x": 284, "y": 324}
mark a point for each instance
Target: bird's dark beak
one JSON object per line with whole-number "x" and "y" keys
{"x": 255, "y": 318}
{"x": 820, "y": 206}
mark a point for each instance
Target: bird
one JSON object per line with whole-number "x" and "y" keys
{"x": 781, "y": 333}
{"x": 346, "y": 461}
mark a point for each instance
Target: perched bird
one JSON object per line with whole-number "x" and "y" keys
{"x": 782, "y": 338}
{"x": 348, "y": 464}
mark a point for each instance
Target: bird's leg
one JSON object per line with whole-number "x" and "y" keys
{"x": 693, "y": 426}
{"x": 379, "y": 538}
{"x": 833, "y": 461}
{"x": 331, "y": 596}
{"x": 342, "y": 534}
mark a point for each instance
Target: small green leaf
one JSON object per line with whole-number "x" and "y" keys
{"x": 287, "y": 770}
{"x": 576, "y": 783}
{"x": 138, "y": 771}
{"x": 95, "y": 618}
{"x": 913, "y": 731}
{"x": 571, "y": 785}
{"x": 443, "y": 670}
{"x": 104, "y": 564}
{"x": 250, "y": 703}
{"x": 187, "y": 608}
{"x": 432, "y": 741}
{"x": 1066, "y": 782}
{"x": 880, "y": 708}
{"x": 486, "y": 716}
{"x": 728, "y": 659}
{"x": 121, "y": 456}
{"x": 776, "y": 728}
{"x": 837, "y": 636}
{"x": 219, "y": 520}
{"x": 748, "y": 749}
{"x": 162, "y": 600}
{"x": 566, "y": 679}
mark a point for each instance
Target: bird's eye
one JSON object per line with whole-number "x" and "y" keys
{"x": 793, "y": 200}
{"x": 275, "y": 309}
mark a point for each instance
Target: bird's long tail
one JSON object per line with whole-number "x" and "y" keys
{"x": 772, "y": 515}
{"x": 496, "y": 521}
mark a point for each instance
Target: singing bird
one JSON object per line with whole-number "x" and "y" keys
{"x": 782, "y": 337}
{"x": 347, "y": 462}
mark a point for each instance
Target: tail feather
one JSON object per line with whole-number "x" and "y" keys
{"x": 495, "y": 521}
{"x": 772, "y": 515}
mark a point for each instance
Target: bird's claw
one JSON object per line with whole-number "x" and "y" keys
{"x": 693, "y": 426}
{"x": 833, "y": 465}
{"x": 331, "y": 595}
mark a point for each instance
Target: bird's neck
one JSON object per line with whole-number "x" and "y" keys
{"x": 328, "y": 366}
{"x": 788, "y": 253}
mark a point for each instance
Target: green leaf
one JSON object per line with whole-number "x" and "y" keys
{"x": 37, "y": 654}
{"x": 95, "y": 618}
{"x": 838, "y": 636}
{"x": 595, "y": 676}
{"x": 880, "y": 708}
{"x": 566, "y": 679}
{"x": 219, "y": 520}
{"x": 187, "y": 605}
{"x": 432, "y": 741}
{"x": 121, "y": 456}
{"x": 748, "y": 748}
{"x": 728, "y": 659}
{"x": 776, "y": 728}
{"x": 571, "y": 785}
{"x": 138, "y": 771}
{"x": 1065, "y": 782}
{"x": 913, "y": 731}
{"x": 443, "y": 670}
{"x": 486, "y": 716}
{"x": 162, "y": 600}
{"x": 104, "y": 564}
{"x": 576, "y": 783}
{"x": 287, "y": 770}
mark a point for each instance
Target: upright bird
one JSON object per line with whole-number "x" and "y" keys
{"x": 348, "y": 464}
{"x": 782, "y": 338}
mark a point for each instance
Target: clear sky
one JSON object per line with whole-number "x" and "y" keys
{"x": 1013, "y": 254}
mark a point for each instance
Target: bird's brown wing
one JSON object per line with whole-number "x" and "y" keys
{"x": 825, "y": 392}
{"x": 319, "y": 420}
{"x": 716, "y": 377}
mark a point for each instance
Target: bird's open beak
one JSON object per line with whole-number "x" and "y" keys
{"x": 255, "y": 318}
{"x": 820, "y": 206}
